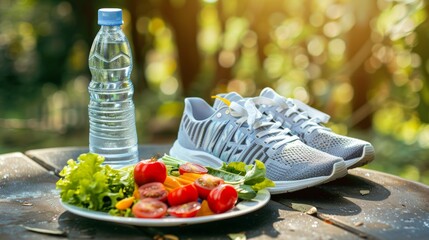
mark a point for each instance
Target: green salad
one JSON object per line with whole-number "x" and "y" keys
{"x": 88, "y": 183}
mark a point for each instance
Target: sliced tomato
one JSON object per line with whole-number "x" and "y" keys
{"x": 192, "y": 168}
{"x": 149, "y": 208}
{"x": 150, "y": 170}
{"x": 154, "y": 190}
{"x": 222, "y": 198}
{"x": 183, "y": 195}
{"x": 206, "y": 183}
{"x": 185, "y": 210}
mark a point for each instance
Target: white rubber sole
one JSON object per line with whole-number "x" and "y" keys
{"x": 339, "y": 170}
{"x": 368, "y": 155}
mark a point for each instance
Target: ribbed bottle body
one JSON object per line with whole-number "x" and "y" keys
{"x": 112, "y": 127}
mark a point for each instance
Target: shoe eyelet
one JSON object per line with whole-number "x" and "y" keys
{"x": 227, "y": 112}
{"x": 218, "y": 115}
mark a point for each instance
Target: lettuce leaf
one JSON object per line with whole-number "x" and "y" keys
{"x": 121, "y": 213}
{"x": 246, "y": 192}
{"x": 252, "y": 178}
{"x": 89, "y": 184}
{"x": 229, "y": 177}
{"x": 264, "y": 184}
{"x": 253, "y": 174}
{"x": 235, "y": 167}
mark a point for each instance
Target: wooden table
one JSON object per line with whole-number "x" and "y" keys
{"x": 364, "y": 204}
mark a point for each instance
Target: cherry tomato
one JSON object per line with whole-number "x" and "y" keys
{"x": 185, "y": 210}
{"x": 150, "y": 170}
{"x": 154, "y": 190}
{"x": 222, "y": 198}
{"x": 192, "y": 168}
{"x": 183, "y": 195}
{"x": 206, "y": 183}
{"x": 149, "y": 208}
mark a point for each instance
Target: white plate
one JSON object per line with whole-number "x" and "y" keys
{"x": 241, "y": 208}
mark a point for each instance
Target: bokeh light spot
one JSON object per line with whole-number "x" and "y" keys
{"x": 250, "y": 39}
{"x": 334, "y": 11}
{"x": 331, "y": 29}
{"x": 169, "y": 86}
{"x": 155, "y": 25}
{"x": 301, "y": 61}
{"x": 236, "y": 85}
{"x": 343, "y": 93}
{"x": 337, "y": 47}
{"x": 320, "y": 87}
{"x": 316, "y": 46}
{"x": 301, "y": 94}
{"x": 226, "y": 59}
{"x": 423, "y": 138}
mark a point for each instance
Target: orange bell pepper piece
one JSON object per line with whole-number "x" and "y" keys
{"x": 125, "y": 203}
{"x": 204, "y": 210}
{"x": 171, "y": 182}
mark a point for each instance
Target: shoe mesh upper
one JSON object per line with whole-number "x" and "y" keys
{"x": 221, "y": 136}
{"x": 319, "y": 137}
{"x": 290, "y": 162}
{"x": 335, "y": 144}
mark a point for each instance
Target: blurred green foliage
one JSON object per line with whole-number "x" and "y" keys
{"x": 363, "y": 62}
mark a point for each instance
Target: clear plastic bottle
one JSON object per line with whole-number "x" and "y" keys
{"x": 112, "y": 127}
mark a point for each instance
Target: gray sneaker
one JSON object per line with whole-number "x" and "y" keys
{"x": 240, "y": 132}
{"x": 306, "y": 122}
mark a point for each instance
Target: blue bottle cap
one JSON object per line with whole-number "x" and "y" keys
{"x": 110, "y": 16}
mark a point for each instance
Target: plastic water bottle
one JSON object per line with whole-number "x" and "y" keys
{"x": 112, "y": 127}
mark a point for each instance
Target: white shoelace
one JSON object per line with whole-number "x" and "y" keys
{"x": 268, "y": 130}
{"x": 309, "y": 117}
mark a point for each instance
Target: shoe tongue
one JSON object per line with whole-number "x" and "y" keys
{"x": 268, "y": 93}
{"x": 232, "y": 97}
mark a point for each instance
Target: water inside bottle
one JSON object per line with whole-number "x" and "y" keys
{"x": 111, "y": 109}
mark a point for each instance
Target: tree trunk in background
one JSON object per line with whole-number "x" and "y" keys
{"x": 259, "y": 24}
{"x": 86, "y": 16}
{"x": 183, "y": 20}
{"x": 421, "y": 49}
{"x": 359, "y": 35}
{"x": 222, "y": 74}
{"x": 138, "y": 43}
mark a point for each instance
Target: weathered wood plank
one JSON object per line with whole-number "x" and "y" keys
{"x": 272, "y": 221}
{"x": 380, "y": 205}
